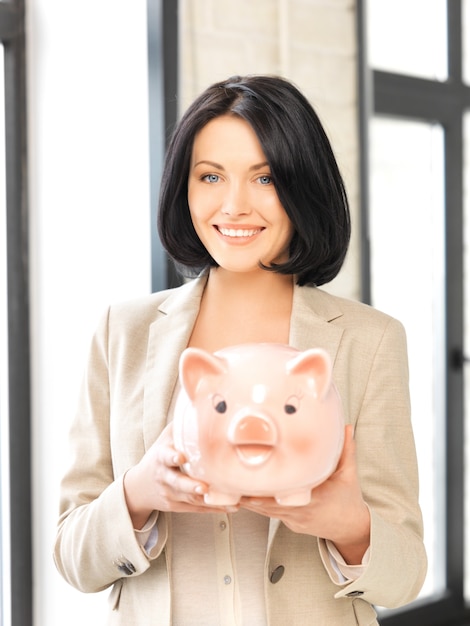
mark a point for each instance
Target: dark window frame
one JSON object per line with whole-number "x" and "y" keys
{"x": 162, "y": 38}
{"x": 407, "y": 97}
{"x": 12, "y": 34}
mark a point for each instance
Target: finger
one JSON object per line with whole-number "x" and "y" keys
{"x": 184, "y": 486}
{"x": 175, "y": 458}
{"x": 262, "y": 506}
{"x": 166, "y": 454}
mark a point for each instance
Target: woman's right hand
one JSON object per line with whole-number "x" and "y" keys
{"x": 157, "y": 483}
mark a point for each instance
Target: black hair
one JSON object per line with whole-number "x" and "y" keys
{"x": 304, "y": 170}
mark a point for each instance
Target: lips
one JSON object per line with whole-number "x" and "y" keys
{"x": 238, "y": 232}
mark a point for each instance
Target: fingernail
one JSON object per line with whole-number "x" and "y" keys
{"x": 199, "y": 490}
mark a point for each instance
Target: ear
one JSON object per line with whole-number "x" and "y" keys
{"x": 194, "y": 365}
{"x": 316, "y": 365}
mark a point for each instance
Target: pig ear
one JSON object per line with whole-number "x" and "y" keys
{"x": 194, "y": 365}
{"x": 316, "y": 365}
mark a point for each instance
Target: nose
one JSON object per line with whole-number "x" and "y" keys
{"x": 236, "y": 201}
{"x": 253, "y": 429}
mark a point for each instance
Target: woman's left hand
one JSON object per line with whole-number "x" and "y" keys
{"x": 336, "y": 511}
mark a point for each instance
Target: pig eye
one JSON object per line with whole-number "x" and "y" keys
{"x": 219, "y": 404}
{"x": 292, "y": 405}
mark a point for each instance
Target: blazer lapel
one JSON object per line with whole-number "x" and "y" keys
{"x": 310, "y": 327}
{"x": 312, "y": 312}
{"x": 168, "y": 337}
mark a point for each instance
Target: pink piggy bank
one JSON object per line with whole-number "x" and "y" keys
{"x": 258, "y": 420}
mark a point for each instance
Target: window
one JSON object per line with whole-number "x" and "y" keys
{"x": 407, "y": 281}
{"x": 420, "y": 26}
{"x": 414, "y": 240}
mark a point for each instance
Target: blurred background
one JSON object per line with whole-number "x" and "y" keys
{"x": 89, "y": 95}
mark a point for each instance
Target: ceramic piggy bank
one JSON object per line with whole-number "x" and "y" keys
{"x": 258, "y": 420}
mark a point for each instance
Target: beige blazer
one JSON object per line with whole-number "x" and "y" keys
{"x": 127, "y": 389}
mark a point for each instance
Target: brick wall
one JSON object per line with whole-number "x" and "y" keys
{"x": 311, "y": 42}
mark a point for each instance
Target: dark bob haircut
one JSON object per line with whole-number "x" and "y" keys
{"x": 304, "y": 170}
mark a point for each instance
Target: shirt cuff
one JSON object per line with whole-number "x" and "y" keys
{"x": 344, "y": 572}
{"x": 147, "y": 536}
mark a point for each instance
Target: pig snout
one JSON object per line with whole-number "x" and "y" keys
{"x": 254, "y": 438}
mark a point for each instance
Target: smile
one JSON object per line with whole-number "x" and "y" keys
{"x": 238, "y": 232}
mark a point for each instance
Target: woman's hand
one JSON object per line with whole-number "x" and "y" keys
{"x": 157, "y": 483}
{"x": 336, "y": 510}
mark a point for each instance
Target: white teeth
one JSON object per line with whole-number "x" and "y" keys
{"x": 239, "y": 232}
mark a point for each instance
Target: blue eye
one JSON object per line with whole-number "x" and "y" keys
{"x": 265, "y": 180}
{"x": 211, "y": 178}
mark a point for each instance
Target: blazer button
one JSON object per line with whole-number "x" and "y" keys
{"x": 277, "y": 574}
{"x": 125, "y": 567}
{"x": 354, "y": 594}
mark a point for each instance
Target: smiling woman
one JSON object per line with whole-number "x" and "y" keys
{"x": 252, "y": 196}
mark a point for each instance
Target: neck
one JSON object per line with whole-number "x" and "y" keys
{"x": 260, "y": 285}
{"x": 239, "y": 307}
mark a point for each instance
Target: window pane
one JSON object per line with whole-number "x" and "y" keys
{"x": 467, "y": 344}
{"x": 407, "y": 265}
{"x": 466, "y": 41}
{"x": 408, "y": 37}
{"x": 5, "y": 617}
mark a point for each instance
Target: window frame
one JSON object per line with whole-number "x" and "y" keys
{"x": 12, "y": 35}
{"x": 162, "y": 36}
{"x": 408, "y": 97}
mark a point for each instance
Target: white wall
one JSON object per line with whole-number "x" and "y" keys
{"x": 89, "y": 194}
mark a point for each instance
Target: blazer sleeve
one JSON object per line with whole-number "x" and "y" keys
{"x": 96, "y": 543}
{"x": 389, "y": 478}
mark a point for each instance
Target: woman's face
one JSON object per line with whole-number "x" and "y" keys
{"x": 232, "y": 198}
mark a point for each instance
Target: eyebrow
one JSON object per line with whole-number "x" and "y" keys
{"x": 218, "y": 166}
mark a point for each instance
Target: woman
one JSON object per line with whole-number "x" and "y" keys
{"x": 252, "y": 202}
